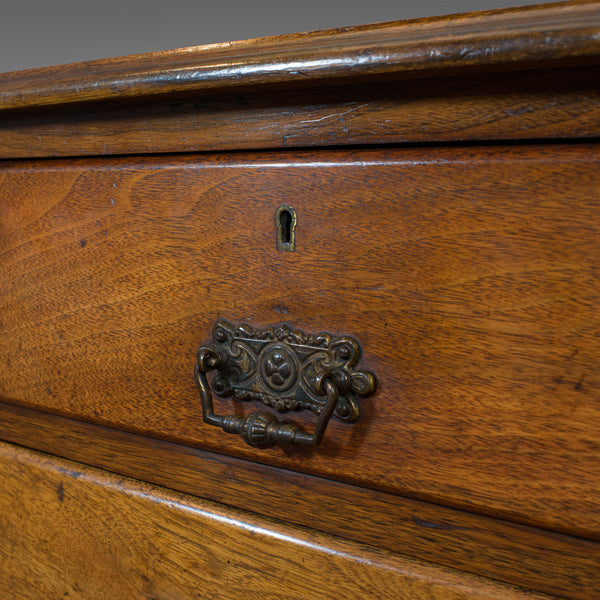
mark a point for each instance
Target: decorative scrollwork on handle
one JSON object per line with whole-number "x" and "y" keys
{"x": 287, "y": 370}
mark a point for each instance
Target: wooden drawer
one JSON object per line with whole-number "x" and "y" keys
{"x": 73, "y": 531}
{"x": 468, "y": 275}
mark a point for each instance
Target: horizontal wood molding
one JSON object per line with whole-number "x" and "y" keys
{"x": 525, "y": 35}
{"x": 533, "y": 558}
{"x": 514, "y": 74}
{"x": 71, "y": 530}
{"x": 552, "y": 104}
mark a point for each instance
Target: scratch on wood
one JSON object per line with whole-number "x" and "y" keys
{"x": 432, "y": 525}
{"x": 342, "y": 114}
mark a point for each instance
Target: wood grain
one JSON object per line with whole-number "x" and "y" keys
{"x": 535, "y": 104}
{"x": 468, "y": 275}
{"x": 77, "y": 532}
{"x": 565, "y": 30}
{"x": 516, "y": 554}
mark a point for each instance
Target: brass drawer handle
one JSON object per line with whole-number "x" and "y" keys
{"x": 287, "y": 370}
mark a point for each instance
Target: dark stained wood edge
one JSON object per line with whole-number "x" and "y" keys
{"x": 510, "y": 36}
{"x": 536, "y": 559}
{"x": 563, "y": 103}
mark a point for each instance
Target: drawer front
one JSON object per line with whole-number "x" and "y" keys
{"x": 72, "y": 531}
{"x": 469, "y": 276}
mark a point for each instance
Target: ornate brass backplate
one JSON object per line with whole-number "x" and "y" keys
{"x": 286, "y": 369}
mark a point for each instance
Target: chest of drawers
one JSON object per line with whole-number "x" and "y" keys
{"x": 427, "y": 190}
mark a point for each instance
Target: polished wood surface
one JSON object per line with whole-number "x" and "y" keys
{"x": 77, "y": 532}
{"x": 516, "y": 554}
{"x": 516, "y": 36}
{"x": 476, "y": 106}
{"x": 447, "y": 217}
{"x": 468, "y": 275}
{"x": 521, "y": 73}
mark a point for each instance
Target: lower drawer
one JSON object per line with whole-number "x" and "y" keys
{"x": 70, "y": 531}
{"x": 469, "y": 276}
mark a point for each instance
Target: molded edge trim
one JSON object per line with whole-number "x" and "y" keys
{"x": 521, "y": 36}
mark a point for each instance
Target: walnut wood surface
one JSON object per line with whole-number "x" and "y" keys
{"x": 511, "y": 36}
{"x": 535, "y": 104}
{"x": 516, "y": 554}
{"x": 77, "y": 532}
{"x": 468, "y": 275}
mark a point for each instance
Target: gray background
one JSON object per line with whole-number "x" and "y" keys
{"x": 51, "y": 32}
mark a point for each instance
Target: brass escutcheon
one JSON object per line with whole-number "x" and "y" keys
{"x": 285, "y": 369}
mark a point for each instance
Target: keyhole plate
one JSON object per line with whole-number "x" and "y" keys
{"x": 285, "y": 222}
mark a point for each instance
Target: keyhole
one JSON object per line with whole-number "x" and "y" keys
{"x": 286, "y": 226}
{"x": 285, "y": 220}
